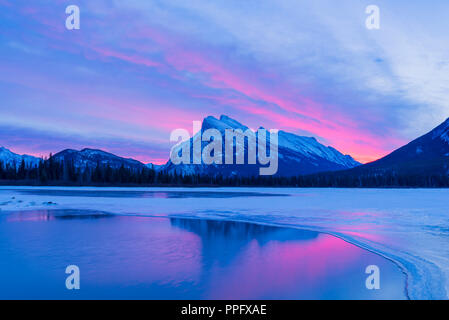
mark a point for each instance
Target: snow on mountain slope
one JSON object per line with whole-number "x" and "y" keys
{"x": 221, "y": 124}
{"x": 297, "y": 154}
{"x": 307, "y": 146}
{"x": 92, "y": 157}
{"x": 426, "y": 155}
{"x": 310, "y": 147}
{"x": 10, "y": 158}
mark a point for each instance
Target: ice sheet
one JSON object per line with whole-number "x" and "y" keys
{"x": 408, "y": 226}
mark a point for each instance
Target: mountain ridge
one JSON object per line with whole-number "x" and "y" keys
{"x": 423, "y": 162}
{"x": 297, "y": 154}
{"x": 7, "y": 157}
{"x": 88, "y": 157}
{"x": 428, "y": 153}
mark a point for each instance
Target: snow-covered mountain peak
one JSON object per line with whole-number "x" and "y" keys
{"x": 297, "y": 154}
{"x": 92, "y": 157}
{"x": 7, "y": 157}
{"x": 221, "y": 124}
{"x": 5, "y": 151}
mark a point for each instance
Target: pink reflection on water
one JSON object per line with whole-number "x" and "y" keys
{"x": 298, "y": 264}
{"x": 155, "y": 258}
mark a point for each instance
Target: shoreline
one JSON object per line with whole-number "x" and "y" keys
{"x": 205, "y": 186}
{"x": 257, "y": 223}
{"x": 339, "y": 236}
{"x": 425, "y": 277}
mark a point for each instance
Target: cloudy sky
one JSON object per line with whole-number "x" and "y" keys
{"x": 136, "y": 70}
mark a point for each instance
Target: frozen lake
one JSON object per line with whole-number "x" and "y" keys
{"x": 404, "y": 232}
{"x": 131, "y": 257}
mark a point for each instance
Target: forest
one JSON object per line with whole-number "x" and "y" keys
{"x": 50, "y": 172}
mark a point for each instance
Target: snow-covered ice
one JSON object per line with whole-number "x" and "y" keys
{"x": 408, "y": 226}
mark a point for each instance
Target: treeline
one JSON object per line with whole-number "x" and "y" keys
{"x": 373, "y": 179}
{"x": 50, "y": 172}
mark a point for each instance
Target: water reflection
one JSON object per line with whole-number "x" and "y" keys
{"x": 217, "y": 230}
{"x": 246, "y": 261}
{"x": 135, "y": 257}
{"x": 229, "y": 237}
{"x": 63, "y": 214}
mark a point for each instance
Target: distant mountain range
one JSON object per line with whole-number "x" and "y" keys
{"x": 297, "y": 155}
{"x": 426, "y": 156}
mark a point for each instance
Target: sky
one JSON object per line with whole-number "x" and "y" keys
{"x": 137, "y": 70}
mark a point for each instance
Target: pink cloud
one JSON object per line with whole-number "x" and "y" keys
{"x": 277, "y": 101}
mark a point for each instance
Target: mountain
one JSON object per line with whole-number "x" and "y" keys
{"x": 423, "y": 163}
{"x": 426, "y": 155}
{"x": 91, "y": 157}
{"x": 297, "y": 154}
{"x": 10, "y": 158}
{"x": 155, "y": 167}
